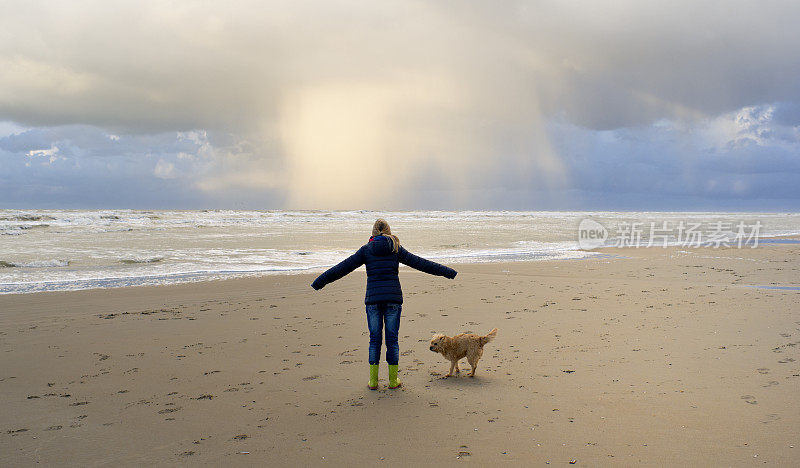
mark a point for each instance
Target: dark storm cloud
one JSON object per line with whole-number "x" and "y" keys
{"x": 456, "y": 99}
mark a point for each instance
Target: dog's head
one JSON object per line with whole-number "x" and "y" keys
{"x": 437, "y": 341}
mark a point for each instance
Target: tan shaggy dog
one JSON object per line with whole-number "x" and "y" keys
{"x": 467, "y": 345}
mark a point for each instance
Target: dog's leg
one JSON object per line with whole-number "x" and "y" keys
{"x": 473, "y": 361}
{"x": 458, "y": 371}
{"x": 453, "y": 365}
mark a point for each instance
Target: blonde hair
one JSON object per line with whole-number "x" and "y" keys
{"x": 381, "y": 228}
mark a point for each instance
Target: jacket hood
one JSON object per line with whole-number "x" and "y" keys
{"x": 380, "y": 245}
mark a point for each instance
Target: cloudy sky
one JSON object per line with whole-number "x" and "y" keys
{"x": 623, "y": 105}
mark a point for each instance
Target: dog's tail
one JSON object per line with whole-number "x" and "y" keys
{"x": 489, "y": 337}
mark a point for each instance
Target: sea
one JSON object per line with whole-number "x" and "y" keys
{"x": 56, "y": 250}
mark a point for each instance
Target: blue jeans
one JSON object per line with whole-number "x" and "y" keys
{"x": 377, "y": 315}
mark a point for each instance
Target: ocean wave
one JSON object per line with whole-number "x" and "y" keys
{"x": 496, "y": 255}
{"x": 164, "y": 247}
{"x": 35, "y": 264}
{"x": 27, "y": 218}
{"x": 104, "y": 282}
{"x": 132, "y": 261}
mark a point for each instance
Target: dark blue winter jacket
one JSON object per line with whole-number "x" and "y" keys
{"x": 383, "y": 285}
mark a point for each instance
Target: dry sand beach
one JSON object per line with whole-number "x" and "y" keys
{"x": 645, "y": 356}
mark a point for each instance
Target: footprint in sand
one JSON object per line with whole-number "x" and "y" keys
{"x": 763, "y": 370}
{"x": 749, "y": 399}
{"x": 169, "y": 410}
{"x": 54, "y": 428}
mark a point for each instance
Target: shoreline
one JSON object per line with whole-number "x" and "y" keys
{"x": 662, "y": 357}
{"x": 313, "y": 271}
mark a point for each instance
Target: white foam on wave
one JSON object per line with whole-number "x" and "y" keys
{"x": 35, "y": 264}
{"x": 102, "y": 282}
{"x": 146, "y": 273}
{"x": 113, "y": 248}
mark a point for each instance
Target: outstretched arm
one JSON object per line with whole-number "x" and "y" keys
{"x": 426, "y": 266}
{"x": 336, "y": 272}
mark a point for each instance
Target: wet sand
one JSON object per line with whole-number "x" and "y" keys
{"x": 645, "y": 356}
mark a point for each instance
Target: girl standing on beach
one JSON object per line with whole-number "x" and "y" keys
{"x": 382, "y": 256}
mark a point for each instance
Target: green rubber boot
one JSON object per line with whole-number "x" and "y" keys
{"x": 373, "y": 377}
{"x": 393, "y": 380}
